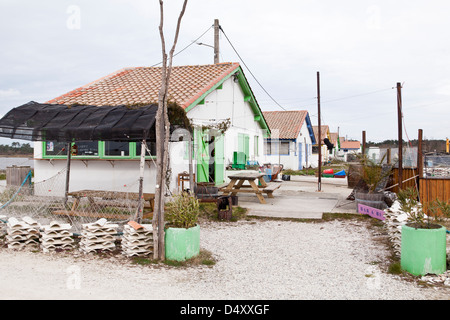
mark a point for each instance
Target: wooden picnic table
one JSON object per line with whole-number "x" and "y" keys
{"x": 257, "y": 185}
{"x": 106, "y": 197}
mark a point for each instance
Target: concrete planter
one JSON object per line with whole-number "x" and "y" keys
{"x": 182, "y": 244}
{"x": 423, "y": 250}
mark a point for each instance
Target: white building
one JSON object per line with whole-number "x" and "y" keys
{"x": 215, "y": 98}
{"x": 291, "y": 139}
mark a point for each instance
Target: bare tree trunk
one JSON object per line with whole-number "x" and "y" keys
{"x": 162, "y": 136}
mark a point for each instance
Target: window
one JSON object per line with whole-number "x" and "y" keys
{"x": 113, "y": 148}
{"x": 85, "y": 148}
{"x": 256, "y": 146}
{"x": 284, "y": 147}
{"x": 272, "y": 147}
{"x": 98, "y": 149}
{"x": 150, "y": 145}
{"x": 53, "y": 148}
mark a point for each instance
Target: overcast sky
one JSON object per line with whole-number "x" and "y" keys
{"x": 361, "y": 49}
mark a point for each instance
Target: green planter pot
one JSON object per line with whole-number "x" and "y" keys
{"x": 423, "y": 250}
{"x": 182, "y": 244}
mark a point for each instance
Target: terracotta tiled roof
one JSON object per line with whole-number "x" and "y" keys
{"x": 141, "y": 85}
{"x": 346, "y": 144}
{"x": 323, "y": 132}
{"x": 288, "y": 123}
{"x": 334, "y": 138}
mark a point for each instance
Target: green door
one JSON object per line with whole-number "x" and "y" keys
{"x": 219, "y": 159}
{"x": 202, "y": 157}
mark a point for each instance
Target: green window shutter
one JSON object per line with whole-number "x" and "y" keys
{"x": 247, "y": 147}
{"x": 219, "y": 160}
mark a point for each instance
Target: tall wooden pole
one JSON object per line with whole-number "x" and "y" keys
{"x": 419, "y": 156}
{"x": 363, "y": 143}
{"x": 319, "y": 142}
{"x": 400, "y": 138}
{"x": 216, "y": 41}
{"x": 140, "y": 209}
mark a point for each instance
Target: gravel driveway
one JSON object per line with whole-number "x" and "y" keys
{"x": 255, "y": 260}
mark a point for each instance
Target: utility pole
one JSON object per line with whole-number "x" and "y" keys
{"x": 319, "y": 135}
{"x": 400, "y": 138}
{"x": 419, "y": 157}
{"x": 363, "y": 143}
{"x": 216, "y": 41}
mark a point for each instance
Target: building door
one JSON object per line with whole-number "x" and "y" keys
{"x": 210, "y": 157}
{"x": 202, "y": 156}
{"x": 300, "y": 151}
{"x": 306, "y": 154}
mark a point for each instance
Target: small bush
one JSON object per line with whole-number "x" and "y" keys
{"x": 182, "y": 211}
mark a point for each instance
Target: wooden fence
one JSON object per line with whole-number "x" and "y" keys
{"x": 408, "y": 179}
{"x": 430, "y": 188}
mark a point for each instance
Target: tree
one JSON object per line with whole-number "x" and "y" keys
{"x": 162, "y": 127}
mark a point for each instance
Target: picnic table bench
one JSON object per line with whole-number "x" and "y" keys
{"x": 98, "y": 199}
{"x": 257, "y": 185}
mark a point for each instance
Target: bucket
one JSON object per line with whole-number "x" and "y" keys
{"x": 328, "y": 171}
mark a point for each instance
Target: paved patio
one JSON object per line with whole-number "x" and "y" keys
{"x": 300, "y": 198}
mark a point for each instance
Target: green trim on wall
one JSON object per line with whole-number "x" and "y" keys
{"x": 133, "y": 153}
{"x": 248, "y": 94}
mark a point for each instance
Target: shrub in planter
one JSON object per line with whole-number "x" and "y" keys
{"x": 423, "y": 239}
{"x": 182, "y": 233}
{"x": 372, "y": 174}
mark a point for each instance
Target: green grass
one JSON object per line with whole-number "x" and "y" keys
{"x": 204, "y": 258}
{"x": 208, "y": 212}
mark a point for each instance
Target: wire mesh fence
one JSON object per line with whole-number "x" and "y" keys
{"x": 47, "y": 205}
{"x": 436, "y": 165}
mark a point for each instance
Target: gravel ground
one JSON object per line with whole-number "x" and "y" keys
{"x": 267, "y": 260}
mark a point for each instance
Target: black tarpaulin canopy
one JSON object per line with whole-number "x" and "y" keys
{"x": 39, "y": 122}
{"x": 51, "y": 122}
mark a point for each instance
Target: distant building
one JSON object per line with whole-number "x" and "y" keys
{"x": 291, "y": 141}
{"x": 348, "y": 147}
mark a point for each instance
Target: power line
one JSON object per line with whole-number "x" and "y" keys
{"x": 357, "y": 95}
{"x": 177, "y": 53}
{"x": 250, "y": 70}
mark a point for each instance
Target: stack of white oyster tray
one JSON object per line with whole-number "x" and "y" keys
{"x": 22, "y": 234}
{"x": 98, "y": 236}
{"x": 137, "y": 239}
{"x": 3, "y": 221}
{"x": 56, "y": 236}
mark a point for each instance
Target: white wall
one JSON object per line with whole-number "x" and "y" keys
{"x": 228, "y": 102}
